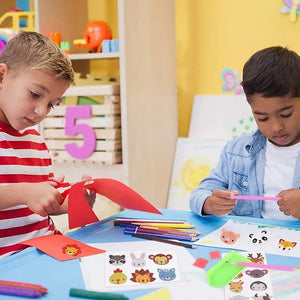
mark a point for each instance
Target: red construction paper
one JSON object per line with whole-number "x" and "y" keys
{"x": 214, "y": 254}
{"x": 62, "y": 247}
{"x": 201, "y": 263}
{"x": 80, "y": 213}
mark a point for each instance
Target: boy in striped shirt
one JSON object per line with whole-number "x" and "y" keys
{"x": 34, "y": 75}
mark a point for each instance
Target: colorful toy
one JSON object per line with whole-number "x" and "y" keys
{"x": 94, "y": 34}
{"x": 292, "y": 7}
{"x": 56, "y": 37}
{"x": 14, "y": 18}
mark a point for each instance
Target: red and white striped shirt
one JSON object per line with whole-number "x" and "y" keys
{"x": 24, "y": 157}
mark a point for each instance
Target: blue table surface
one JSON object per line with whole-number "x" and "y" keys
{"x": 31, "y": 265}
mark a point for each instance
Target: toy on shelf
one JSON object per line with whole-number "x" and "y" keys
{"x": 56, "y": 37}
{"x": 14, "y": 19}
{"x": 94, "y": 34}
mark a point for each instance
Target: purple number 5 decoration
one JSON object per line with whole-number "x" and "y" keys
{"x": 72, "y": 129}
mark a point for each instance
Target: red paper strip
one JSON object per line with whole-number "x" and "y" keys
{"x": 80, "y": 213}
{"x": 62, "y": 247}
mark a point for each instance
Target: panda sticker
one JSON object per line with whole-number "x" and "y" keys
{"x": 259, "y": 238}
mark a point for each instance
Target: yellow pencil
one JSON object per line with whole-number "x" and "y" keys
{"x": 170, "y": 225}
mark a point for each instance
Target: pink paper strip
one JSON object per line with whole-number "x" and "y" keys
{"x": 255, "y": 198}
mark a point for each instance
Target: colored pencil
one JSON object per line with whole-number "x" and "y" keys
{"x": 157, "y": 239}
{"x": 95, "y": 295}
{"x": 129, "y": 220}
{"x": 20, "y": 292}
{"x": 191, "y": 231}
{"x": 161, "y": 235}
{"x": 255, "y": 198}
{"x": 169, "y": 230}
{"x": 264, "y": 266}
{"x": 170, "y": 225}
{"x": 20, "y": 284}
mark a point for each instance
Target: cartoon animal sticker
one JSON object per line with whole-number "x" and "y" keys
{"x": 117, "y": 260}
{"x": 72, "y": 250}
{"x": 258, "y": 286}
{"x": 142, "y": 276}
{"x": 256, "y": 273}
{"x": 236, "y": 286}
{"x": 138, "y": 262}
{"x": 259, "y": 238}
{"x": 166, "y": 274}
{"x": 286, "y": 245}
{"x": 229, "y": 237}
{"x": 160, "y": 259}
{"x": 261, "y": 297}
{"x": 118, "y": 277}
{"x": 259, "y": 259}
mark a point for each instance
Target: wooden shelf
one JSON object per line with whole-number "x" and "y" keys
{"x": 83, "y": 56}
{"x": 146, "y": 90}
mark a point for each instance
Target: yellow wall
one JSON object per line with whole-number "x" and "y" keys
{"x": 215, "y": 34}
{"x": 212, "y": 35}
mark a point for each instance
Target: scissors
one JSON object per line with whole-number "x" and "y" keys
{"x": 67, "y": 185}
{"x": 60, "y": 184}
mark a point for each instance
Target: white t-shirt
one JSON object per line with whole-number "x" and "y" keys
{"x": 279, "y": 172}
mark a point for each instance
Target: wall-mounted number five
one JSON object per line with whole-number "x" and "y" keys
{"x": 72, "y": 129}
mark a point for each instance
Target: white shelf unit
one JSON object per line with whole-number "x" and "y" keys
{"x": 148, "y": 92}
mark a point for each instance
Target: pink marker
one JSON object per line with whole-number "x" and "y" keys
{"x": 253, "y": 265}
{"x": 255, "y": 198}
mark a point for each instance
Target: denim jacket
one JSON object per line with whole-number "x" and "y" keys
{"x": 241, "y": 167}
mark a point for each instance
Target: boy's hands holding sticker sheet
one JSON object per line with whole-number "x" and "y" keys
{"x": 289, "y": 203}
{"x": 219, "y": 203}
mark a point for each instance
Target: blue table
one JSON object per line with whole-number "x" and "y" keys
{"x": 31, "y": 265}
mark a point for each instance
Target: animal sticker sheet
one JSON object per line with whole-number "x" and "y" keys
{"x": 177, "y": 273}
{"x": 255, "y": 237}
{"x": 251, "y": 283}
{"x": 136, "y": 268}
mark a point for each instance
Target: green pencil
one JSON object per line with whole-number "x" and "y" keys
{"x": 95, "y": 295}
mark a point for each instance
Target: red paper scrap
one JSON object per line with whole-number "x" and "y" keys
{"x": 62, "y": 247}
{"x": 201, "y": 263}
{"x": 214, "y": 254}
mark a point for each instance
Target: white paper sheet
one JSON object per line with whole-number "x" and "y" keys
{"x": 192, "y": 279}
{"x": 254, "y": 237}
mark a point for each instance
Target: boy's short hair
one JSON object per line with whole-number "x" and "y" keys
{"x": 34, "y": 51}
{"x": 272, "y": 72}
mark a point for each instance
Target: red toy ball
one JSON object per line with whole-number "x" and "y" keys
{"x": 94, "y": 33}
